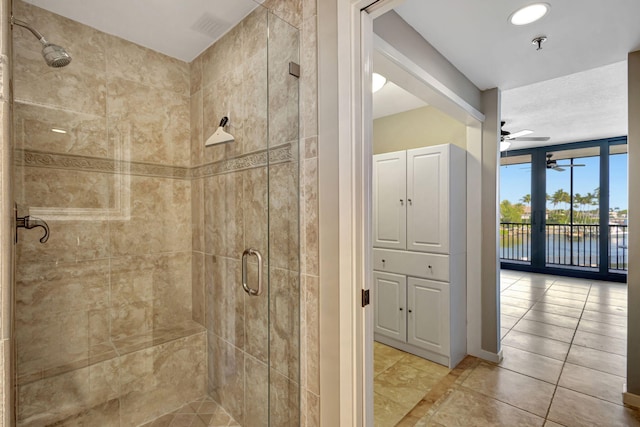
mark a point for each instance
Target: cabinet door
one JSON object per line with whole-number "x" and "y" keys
{"x": 389, "y": 200}
{"x": 428, "y": 199}
{"x": 389, "y": 299}
{"x": 428, "y": 315}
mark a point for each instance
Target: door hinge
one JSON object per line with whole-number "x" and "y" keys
{"x": 365, "y": 297}
{"x": 294, "y": 69}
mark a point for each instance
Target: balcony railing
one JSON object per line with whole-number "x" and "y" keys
{"x": 515, "y": 241}
{"x": 574, "y": 245}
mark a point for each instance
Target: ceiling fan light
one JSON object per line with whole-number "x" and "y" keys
{"x": 528, "y": 14}
{"x": 504, "y": 145}
{"x": 377, "y": 82}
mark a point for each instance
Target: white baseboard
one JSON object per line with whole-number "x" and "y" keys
{"x": 630, "y": 399}
{"x": 488, "y": 356}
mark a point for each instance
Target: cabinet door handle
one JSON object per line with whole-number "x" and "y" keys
{"x": 410, "y": 202}
{"x": 400, "y": 308}
{"x": 401, "y": 202}
{"x": 409, "y": 311}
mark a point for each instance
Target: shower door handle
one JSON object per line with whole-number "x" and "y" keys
{"x": 245, "y": 255}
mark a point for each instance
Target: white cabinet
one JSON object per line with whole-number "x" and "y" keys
{"x": 389, "y": 200}
{"x": 428, "y": 199}
{"x": 419, "y": 254}
{"x": 412, "y": 204}
{"x": 411, "y": 310}
{"x": 389, "y": 302}
{"x": 428, "y": 315}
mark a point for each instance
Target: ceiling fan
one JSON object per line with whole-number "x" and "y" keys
{"x": 507, "y": 137}
{"x": 553, "y": 164}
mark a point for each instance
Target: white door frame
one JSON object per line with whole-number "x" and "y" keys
{"x": 345, "y": 145}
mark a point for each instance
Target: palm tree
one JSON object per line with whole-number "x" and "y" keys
{"x": 526, "y": 199}
{"x": 560, "y": 196}
{"x": 557, "y": 197}
{"x": 583, "y": 202}
{"x": 577, "y": 204}
{"x": 566, "y": 198}
{"x": 593, "y": 201}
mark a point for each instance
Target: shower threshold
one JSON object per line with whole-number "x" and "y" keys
{"x": 204, "y": 412}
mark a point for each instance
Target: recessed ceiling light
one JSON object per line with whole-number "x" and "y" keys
{"x": 529, "y": 14}
{"x": 377, "y": 82}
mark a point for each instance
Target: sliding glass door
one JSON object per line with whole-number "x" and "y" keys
{"x": 572, "y": 232}
{"x": 515, "y": 209}
{"x": 563, "y": 209}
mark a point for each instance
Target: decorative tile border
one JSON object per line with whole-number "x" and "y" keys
{"x": 31, "y": 158}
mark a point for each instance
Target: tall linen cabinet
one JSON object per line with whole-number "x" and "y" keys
{"x": 419, "y": 254}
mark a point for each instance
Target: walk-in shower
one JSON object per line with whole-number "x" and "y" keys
{"x": 55, "y": 56}
{"x": 170, "y": 280}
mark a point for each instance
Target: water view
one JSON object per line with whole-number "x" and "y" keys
{"x": 572, "y": 211}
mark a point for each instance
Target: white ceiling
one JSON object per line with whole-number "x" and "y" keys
{"x": 578, "y": 107}
{"x": 574, "y": 89}
{"x": 181, "y": 29}
{"x": 392, "y": 99}
{"x": 478, "y": 39}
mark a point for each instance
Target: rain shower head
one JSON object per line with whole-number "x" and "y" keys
{"x": 54, "y": 55}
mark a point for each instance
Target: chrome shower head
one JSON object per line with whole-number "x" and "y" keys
{"x": 54, "y": 55}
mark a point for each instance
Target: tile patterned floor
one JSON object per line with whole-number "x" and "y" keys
{"x": 564, "y": 347}
{"x": 400, "y": 380}
{"x": 200, "y": 413}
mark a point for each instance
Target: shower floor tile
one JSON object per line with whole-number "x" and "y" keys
{"x": 199, "y": 413}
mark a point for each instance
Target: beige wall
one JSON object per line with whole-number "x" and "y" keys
{"x": 6, "y": 224}
{"x": 633, "y": 279}
{"x": 490, "y": 217}
{"x": 417, "y": 128}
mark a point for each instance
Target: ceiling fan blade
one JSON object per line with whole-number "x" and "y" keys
{"x": 523, "y": 132}
{"x": 532, "y": 138}
{"x": 570, "y": 166}
{"x": 558, "y": 168}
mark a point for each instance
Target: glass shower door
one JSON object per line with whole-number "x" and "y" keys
{"x": 251, "y": 216}
{"x": 284, "y": 229}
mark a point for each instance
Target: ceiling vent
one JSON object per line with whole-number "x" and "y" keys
{"x": 210, "y": 26}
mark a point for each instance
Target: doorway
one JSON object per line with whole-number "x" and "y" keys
{"x": 465, "y": 124}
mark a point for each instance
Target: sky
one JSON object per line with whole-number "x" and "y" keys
{"x": 515, "y": 180}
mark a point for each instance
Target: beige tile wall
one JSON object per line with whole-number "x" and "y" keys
{"x": 6, "y": 223}
{"x": 95, "y": 305}
{"x": 97, "y": 123}
{"x": 310, "y": 399}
